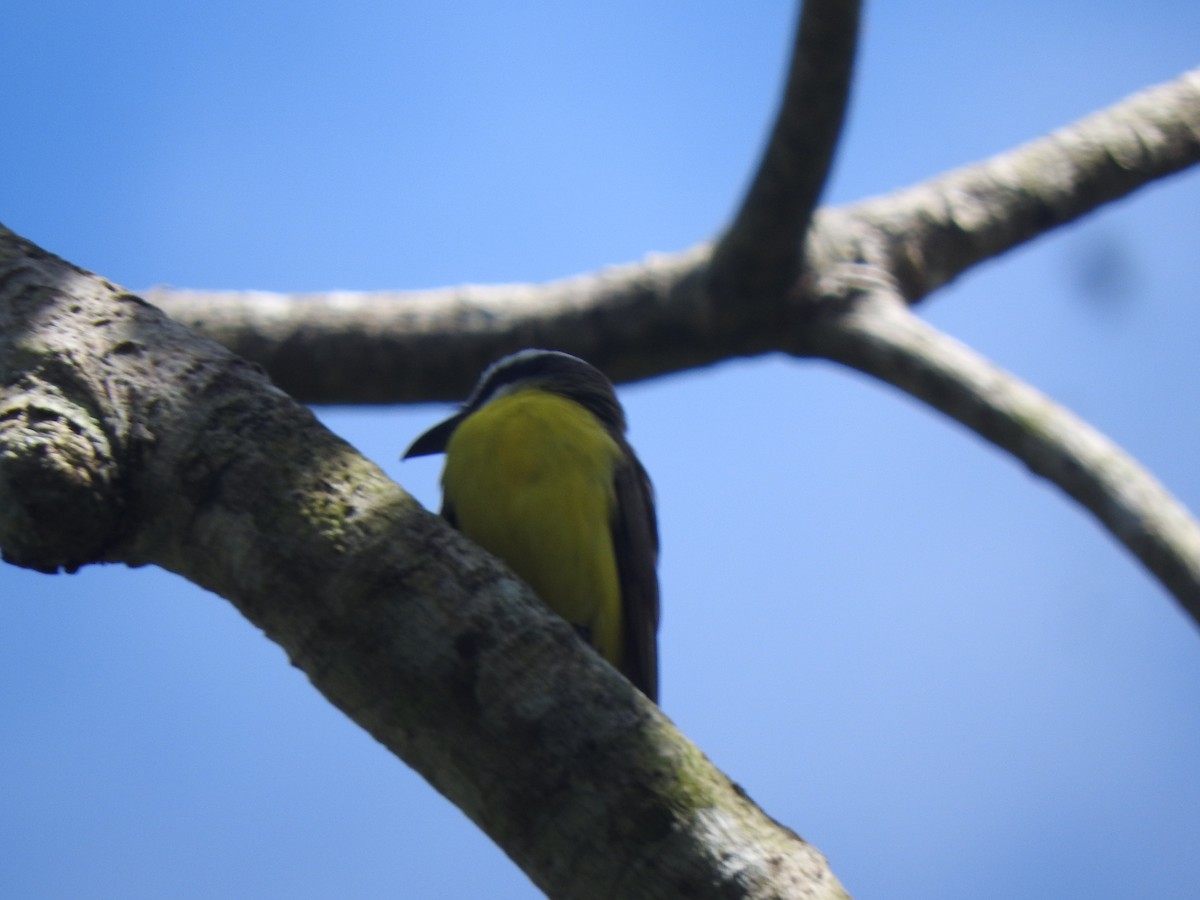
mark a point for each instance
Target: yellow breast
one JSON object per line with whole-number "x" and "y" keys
{"x": 530, "y": 478}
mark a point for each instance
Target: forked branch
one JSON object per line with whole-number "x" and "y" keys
{"x": 661, "y": 315}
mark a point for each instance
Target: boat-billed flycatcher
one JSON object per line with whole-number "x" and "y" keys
{"x": 538, "y": 472}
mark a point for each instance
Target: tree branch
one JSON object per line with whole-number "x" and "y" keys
{"x": 878, "y": 335}
{"x": 181, "y": 455}
{"x": 931, "y": 233}
{"x": 761, "y": 253}
{"x": 660, "y": 316}
{"x": 633, "y": 321}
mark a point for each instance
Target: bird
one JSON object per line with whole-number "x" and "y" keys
{"x": 539, "y": 473}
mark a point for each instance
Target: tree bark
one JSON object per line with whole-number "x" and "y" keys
{"x": 156, "y": 446}
{"x": 126, "y": 437}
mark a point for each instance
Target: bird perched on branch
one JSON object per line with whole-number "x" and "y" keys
{"x": 539, "y": 473}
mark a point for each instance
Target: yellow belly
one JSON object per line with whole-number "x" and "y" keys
{"x": 530, "y": 478}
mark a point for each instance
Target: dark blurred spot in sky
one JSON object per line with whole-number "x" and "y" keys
{"x": 1102, "y": 270}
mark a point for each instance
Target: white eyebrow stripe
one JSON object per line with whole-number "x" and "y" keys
{"x": 503, "y": 390}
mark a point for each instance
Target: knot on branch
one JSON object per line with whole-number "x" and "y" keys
{"x": 58, "y": 505}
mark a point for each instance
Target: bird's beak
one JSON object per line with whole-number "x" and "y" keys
{"x": 435, "y": 439}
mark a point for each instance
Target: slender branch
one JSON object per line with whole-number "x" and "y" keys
{"x": 761, "y": 253}
{"x": 633, "y": 321}
{"x": 878, "y": 335}
{"x": 929, "y": 234}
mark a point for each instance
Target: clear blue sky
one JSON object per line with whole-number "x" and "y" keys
{"x": 897, "y": 640}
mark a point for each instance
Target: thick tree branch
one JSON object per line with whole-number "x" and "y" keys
{"x": 877, "y": 334}
{"x": 759, "y": 257}
{"x": 929, "y": 234}
{"x": 179, "y": 454}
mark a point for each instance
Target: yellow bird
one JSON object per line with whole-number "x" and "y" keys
{"x": 539, "y": 473}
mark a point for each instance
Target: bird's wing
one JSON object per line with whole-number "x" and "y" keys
{"x": 635, "y": 543}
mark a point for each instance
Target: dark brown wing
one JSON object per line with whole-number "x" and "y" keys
{"x": 635, "y": 543}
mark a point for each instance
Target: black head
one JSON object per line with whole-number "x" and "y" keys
{"x": 548, "y": 370}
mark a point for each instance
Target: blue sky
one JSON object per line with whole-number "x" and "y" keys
{"x": 898, "y": 641}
